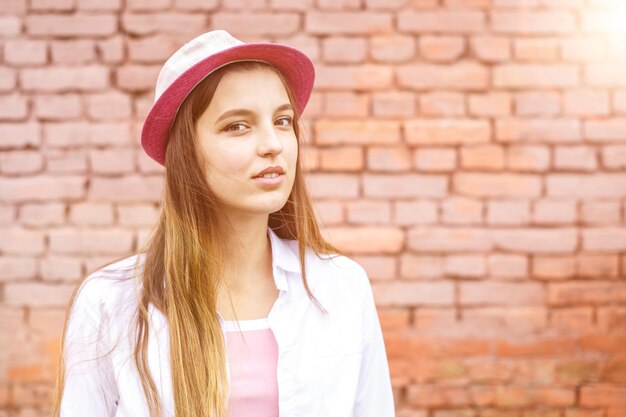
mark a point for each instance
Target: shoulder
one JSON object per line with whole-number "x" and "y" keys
{"x": 111, "y": 288}
{"x": 338, "y": 274}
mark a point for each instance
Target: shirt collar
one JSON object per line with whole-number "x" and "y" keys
{"x": 283, "y": 257}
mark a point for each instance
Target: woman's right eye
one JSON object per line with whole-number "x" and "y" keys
{"x": 234, "y": 127}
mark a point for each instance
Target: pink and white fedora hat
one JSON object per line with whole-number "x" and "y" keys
{"x": 200, "y": 57}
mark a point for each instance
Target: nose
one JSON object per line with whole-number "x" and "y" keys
{"x": 269, "y": 142}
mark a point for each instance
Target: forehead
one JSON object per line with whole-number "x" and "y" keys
{"x": 249, "y": 88}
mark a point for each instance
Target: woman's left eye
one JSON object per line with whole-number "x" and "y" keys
{"x": 284, "y": 121}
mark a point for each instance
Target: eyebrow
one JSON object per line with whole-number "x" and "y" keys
{"x": 235, "y": 112}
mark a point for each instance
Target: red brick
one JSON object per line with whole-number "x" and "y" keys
{"x": 66, "y": 134}
{"x": 410, "y": 294}
{"x": 356, "y": 132}
{"x": 91, "y": 214}
{"x": 8, "y": 78}
{"x": 421, "y": 267}
{"x": 508, "y": 212}
{"x": 111, "y": 50}
{"x": 14, "y": 268}
{"x": 535, "y": 76}
{"x": 58, "y": 107}
{"x": 368, "y": 212}
{"x": 333, "y": 185}
{"x": 97, "y": 5}
{"x": 536, "y": 240}
{"x": 110, "y": 134}
{"x": 446, "y": 104}
{"x": 553, "y": 267}
{"x": 393, "y": 318}
{"x": 490, "y": 104}
{"x": 62, "y": 161}
{"x": 109, "y": 106}
{"x": 603, "y": 239}
{"x": 532, "y": 23}
{"x": 10, "y": 25}
{"x": 528, "y": 158}
{"x": 353, "y": 23}
{"x": 168, "y": 23}
{"x": 45, "y": 214}
{"x": 393, "y": 104}
{"x": 578, "y": 158}
{"x": 603, "y": 395}
{"x": 144, "y": 5}
{"x": 611, "y": 318}
{"x": 544, "y": 130}
{"x": 25, "y": 52}
{"x": 59, "y": 79}
{"x": 349, "y": 159}
{"x": 605, "y": 130}
{"x": 600, "y": 212}
{"x": 502, "y": 265}
{"x": 510, "y": 321}
{"x": 72, "y": 25}
{"x": 52, "y": 5}
{"x": 308, "y": 44}
{"x": 618, "y": 101}
{"x": 537, "y": 103}
{"x": 344, "y": 50}
{"x": 18, "y": 241}
{"x": 447, "y": 131}
{"x": 136, "y": 78}
{"x": 54, "y": 268}
{"x": 453, "y": 239}
{"x": 257, "y": 23}
{"x": 345, "y": 104}
{"x": 441, "y": 48}
{"x": 130, "y": 188}
{"x": 598, "y": 266}
{"x": 460, "y": 210}
{"x": 482, "y": 157}
{"x": 463, "y": 75}
{"x": 38, "y": 294}
{"x": 407, "y": 213}
{"x": 151, "y": 49}
{"x": 21, "y": 162}
{"x": 388, "y": 159}
{"x": 393, "y": 48}
{"x": 491, "y": 48}
{"x": 465, "y": 266}
{"x": 586, "y": 103}
{"x": 583, "y": 48}
{"x": 353, "y": 77}
{"x": 498, "y": 293}
{"x": 435, "y": 159}
{"x": 405, "y": 185}
{"x": 585, "y": 186}
{"x": 537, "y": 50}
{"x": 366, "y": 240}
{"x": 590, "y": 292}
{"x": 299, "y": 5}
{"x": 512, "y": 396}
{"x": 41, "y": 188}
{"x": 551, "y": 212}
{"x": 136, "y": 215}
{"x": 13, "y": 107}
{"x": 497, "y": 185}
{"x": 575, "y": 318}
{"x": 453, "y": 21}
{"x": 77, "y": 51}
{"x": 8, "y": 214}
{"x": 93, "y": 242}
{"x": 605, "y": 75}
{"x": 329, "y": 212}
{"x": 338, "y": 4}
{"x": 19, "y": 135}
{"x": 614, "y": 156}
{"x": 431, "y": 396}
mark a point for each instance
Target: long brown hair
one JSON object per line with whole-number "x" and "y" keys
{"x": 184, "y": 262}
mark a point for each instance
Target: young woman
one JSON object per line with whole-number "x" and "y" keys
{"x": 236, "y": 306}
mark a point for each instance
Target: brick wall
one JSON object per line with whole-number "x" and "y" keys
{"x": 469, "y": 154}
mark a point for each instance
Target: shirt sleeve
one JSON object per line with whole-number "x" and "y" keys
{"x": 89, "y": 388}
{"x": 375, "y": 395}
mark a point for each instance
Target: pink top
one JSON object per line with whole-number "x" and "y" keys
{"x": 253, "y": 360}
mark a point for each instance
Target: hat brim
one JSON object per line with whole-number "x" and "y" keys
{"x": 295, "y": 66}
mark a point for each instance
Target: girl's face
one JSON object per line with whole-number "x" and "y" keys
{"x": 248, "y": 127}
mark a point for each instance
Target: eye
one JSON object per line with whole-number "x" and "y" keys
{"x": 284, "y": 121}
{"x": 235, "y": 127}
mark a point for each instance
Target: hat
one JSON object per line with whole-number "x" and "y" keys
{"x": 198, "y": 58}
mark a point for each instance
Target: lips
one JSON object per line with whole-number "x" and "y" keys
{"x": 275, "y": 169}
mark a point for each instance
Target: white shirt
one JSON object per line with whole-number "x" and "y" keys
{"x": 332, "y": 365}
